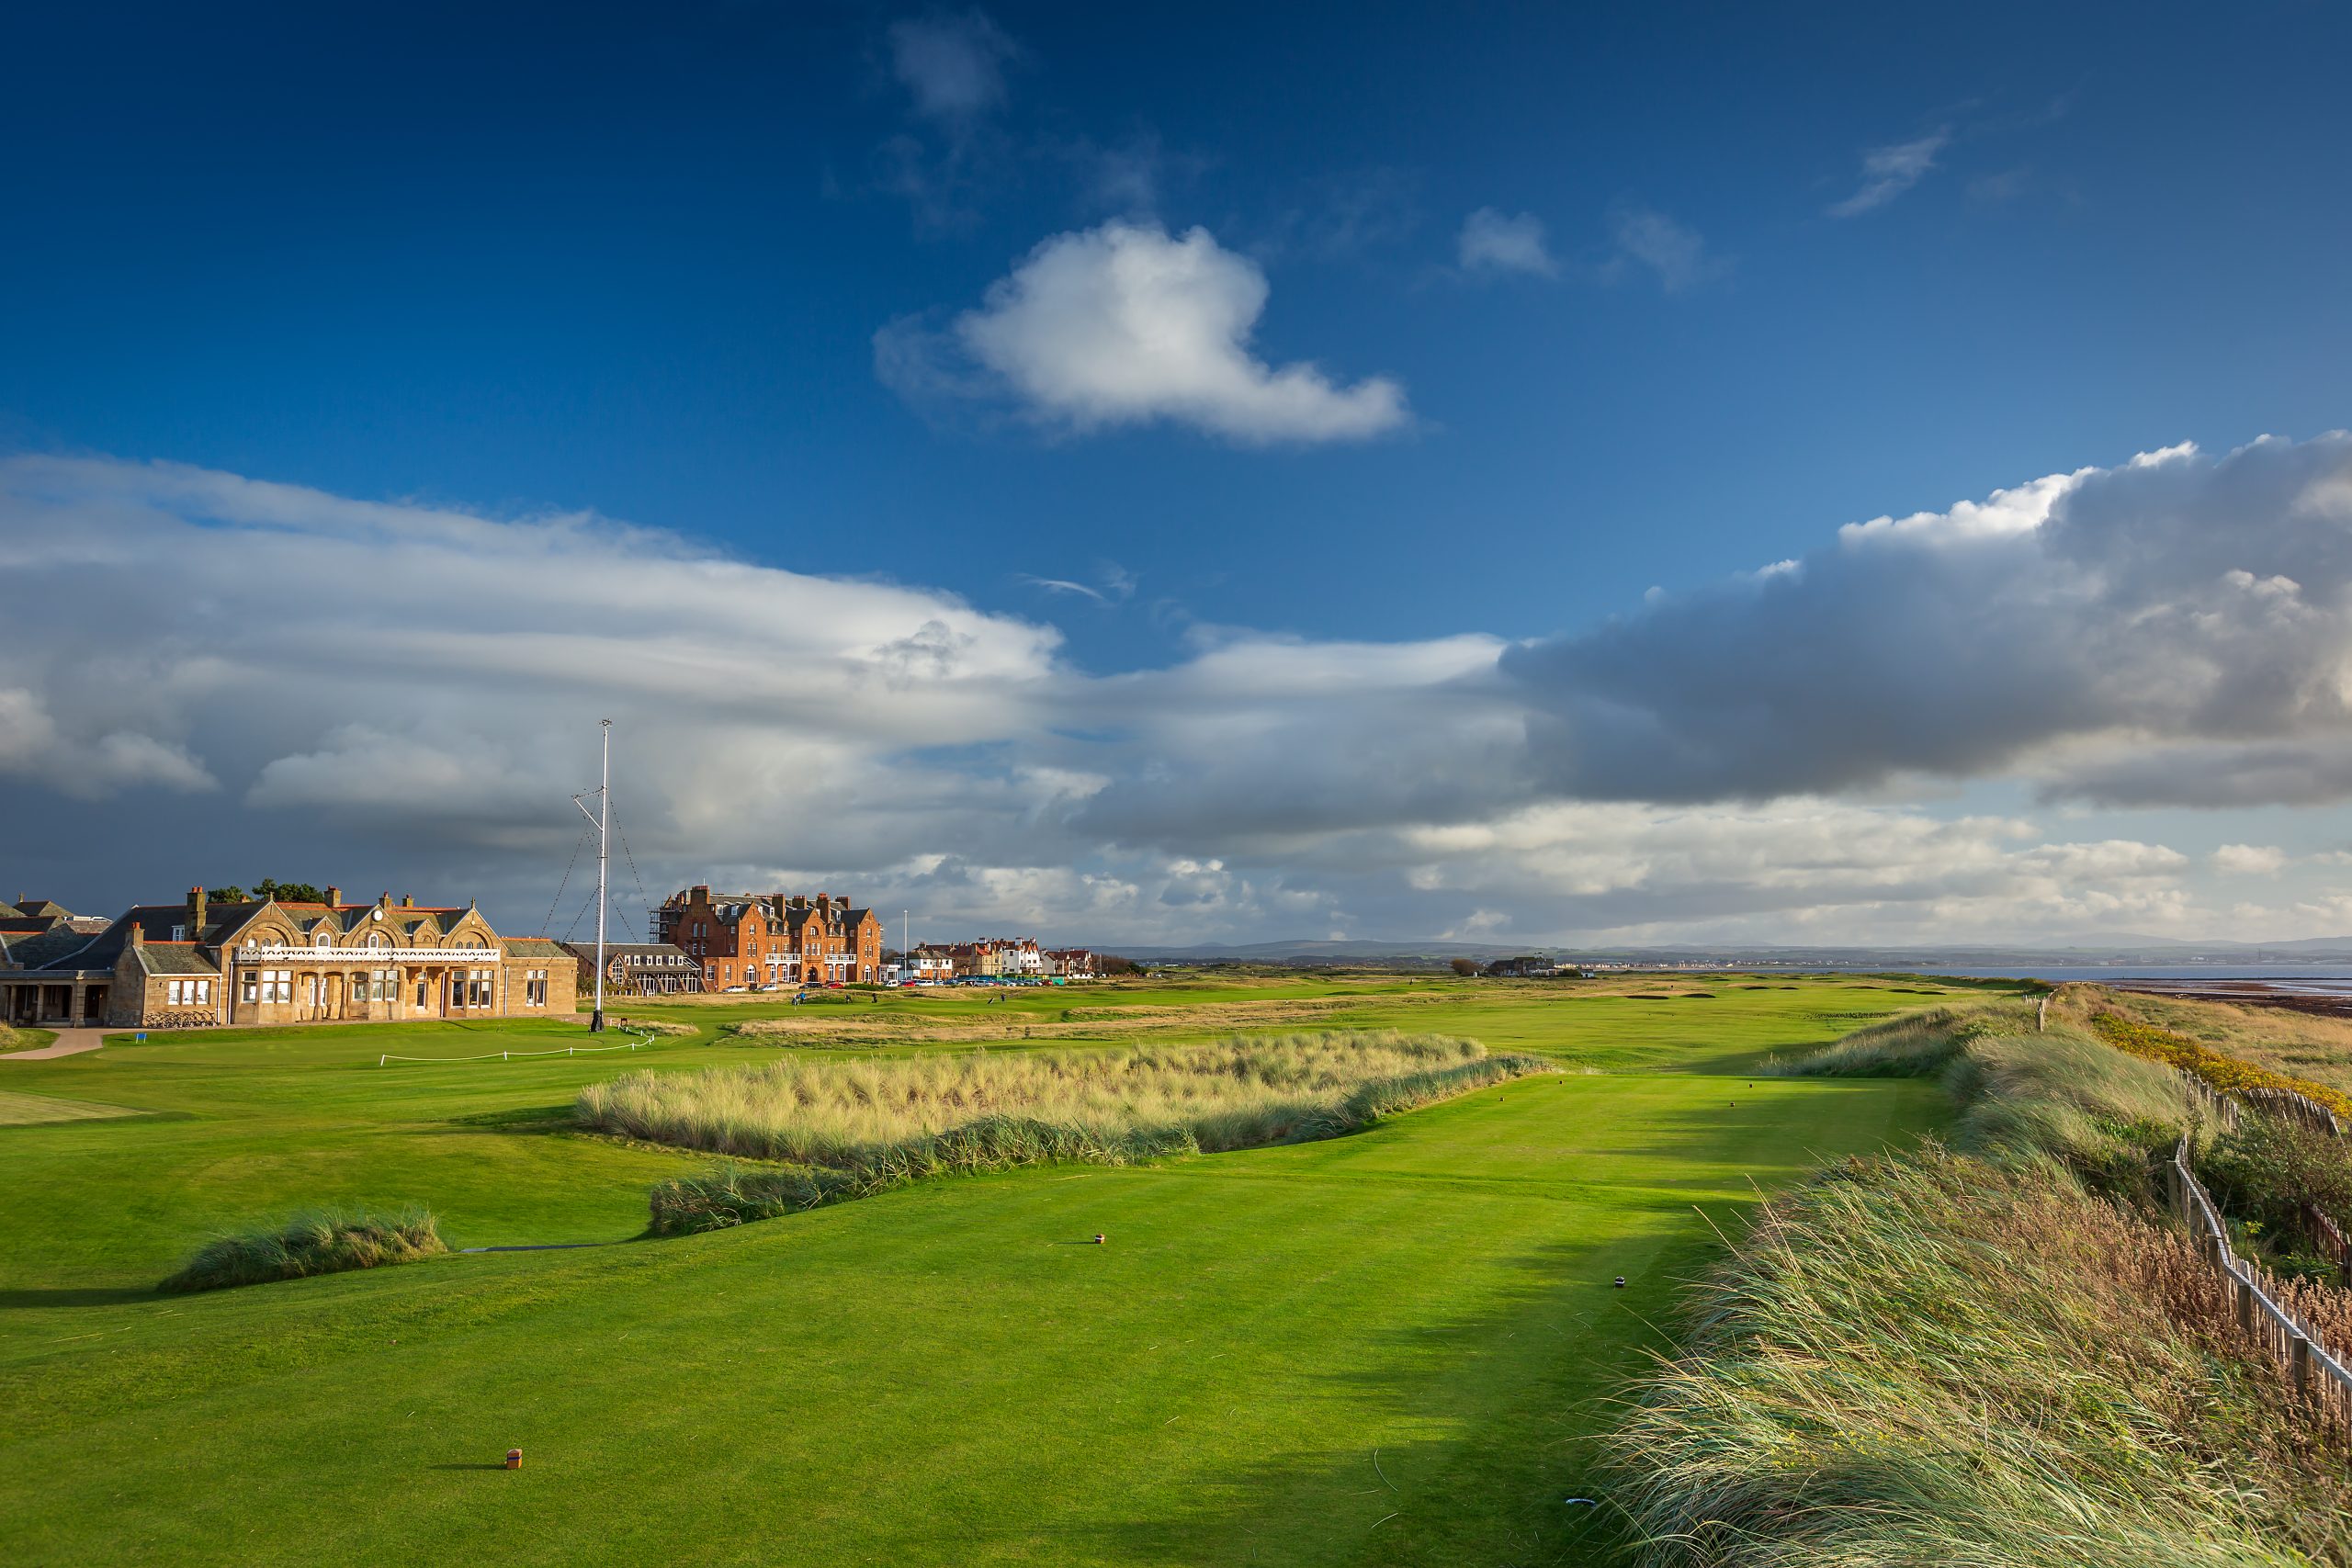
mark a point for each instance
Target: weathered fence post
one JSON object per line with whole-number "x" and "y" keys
{"x": 2298, "y": 1360}
{"x": 2245, "y": 1304}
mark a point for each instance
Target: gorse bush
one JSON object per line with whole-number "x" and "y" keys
{"x": 2224, "y": 1073}
{"x": 864, "y": 1127}
{"x": 322, "y": 1241}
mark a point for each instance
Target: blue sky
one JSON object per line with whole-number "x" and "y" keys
{"x": 1234, "y": 338}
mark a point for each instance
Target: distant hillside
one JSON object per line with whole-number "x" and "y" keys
{"x": 2090, "y": 950}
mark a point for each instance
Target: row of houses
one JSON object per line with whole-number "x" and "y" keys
{"x": 998, "y": 958}
{"x": 268, "y": 960}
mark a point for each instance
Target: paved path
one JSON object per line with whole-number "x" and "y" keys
{"x": 69, "y": 1043}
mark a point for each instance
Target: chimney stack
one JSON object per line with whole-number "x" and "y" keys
{"x": 334, "y": 897}
{"x": 408, "y": 900}
{"x": 138, "y": 934}
{"x": 196, "y": 913}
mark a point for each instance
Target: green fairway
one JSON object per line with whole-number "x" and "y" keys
{"x": 951, "y": 1372}
{"x": 24, "y": 1109}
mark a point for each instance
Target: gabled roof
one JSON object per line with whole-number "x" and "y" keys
{"x": 538, "y": 947}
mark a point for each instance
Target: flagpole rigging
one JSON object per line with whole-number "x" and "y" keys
{"x": 603, "y": 819}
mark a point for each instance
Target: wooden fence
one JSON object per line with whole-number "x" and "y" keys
{"x": 2315, "y": 1373}
{"x": 2288, "y": 1104}
{"x": 2211, "y": 1101}
{"x": 2331, "y": 1240}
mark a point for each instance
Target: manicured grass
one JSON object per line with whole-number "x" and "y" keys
{"x": 25, "y": 1110}
{"x": 948, "y": 1372}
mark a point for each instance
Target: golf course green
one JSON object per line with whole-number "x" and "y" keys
{"x": 1392, "y": 1347}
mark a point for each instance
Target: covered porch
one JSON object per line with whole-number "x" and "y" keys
{"x": 44, "y": 1000}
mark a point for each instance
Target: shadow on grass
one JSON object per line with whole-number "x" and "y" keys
{"x": 1496, "y": 1411}
{"x": 70, "y": 1296}
{"x": 482, "y": 1464}
{"x": 520, "y": 1119}
{"x": 1493, "y": 1490}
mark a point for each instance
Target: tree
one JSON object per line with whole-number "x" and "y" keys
{"x": 1465, "y": 967}
{"x": 288, "y": 892}
{"x": 1111, "y": 964}
{"x": 233, "y": 894}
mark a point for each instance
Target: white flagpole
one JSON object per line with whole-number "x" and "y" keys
{"x": 603, "y": 827}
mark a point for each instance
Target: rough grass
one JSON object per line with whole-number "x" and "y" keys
{"x": 15, "y": 1039}
{"x": 857, "y": 1128}
{"x": 2025, "y": 1096}
{"x": 2224, "y": 1072}
{"x": 1997, "y": 1357}
{"x": 317, "y": 1241}
{"x": 1937, "y": 1362}
{"x": 2294, "y": 1044}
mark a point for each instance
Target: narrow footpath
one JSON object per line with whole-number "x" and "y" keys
{"x": 69, "y": 1043}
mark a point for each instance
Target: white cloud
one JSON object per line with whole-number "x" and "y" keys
{"x": 377, "y": 685}
{"x": 2175, "y": 630}
{"x": 1888, "y": 171}
{"x": 2249, "y": 860}
{"x": 1126, "y": 325}
{"x": 1493, "y": 241}
{"x": 1673, "y": 251}
{"x": 952, "y": 65}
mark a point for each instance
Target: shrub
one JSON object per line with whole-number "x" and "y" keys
{"x": 2269, "y": 1169}
{"x": 321, "y": 1241}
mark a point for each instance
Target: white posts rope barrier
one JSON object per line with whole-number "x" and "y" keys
{"x": 639, "y": 1044}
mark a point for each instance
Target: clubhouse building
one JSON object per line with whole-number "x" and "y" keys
{"x": 265, "y": 962}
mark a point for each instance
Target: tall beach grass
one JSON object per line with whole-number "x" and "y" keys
{"x": 1999, "y": 1355}
{"x": 1934, "y": 1362}
{"x": 317, "y": 1241}
{"x": 845, "y": 1129}
{"x": 2027, "y": 1096}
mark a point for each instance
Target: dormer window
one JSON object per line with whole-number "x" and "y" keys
{"x": 179, "y": 934}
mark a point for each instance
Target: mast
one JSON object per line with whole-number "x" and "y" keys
{"x": 602, "y": 818}
{"x": 604, "y": 827}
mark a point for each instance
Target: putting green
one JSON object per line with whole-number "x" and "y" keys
{"x": 1388, "y": 1348}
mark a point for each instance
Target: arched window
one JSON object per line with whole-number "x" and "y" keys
{"x": 375, "y": 939}
{"x": 322, "y": 940}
